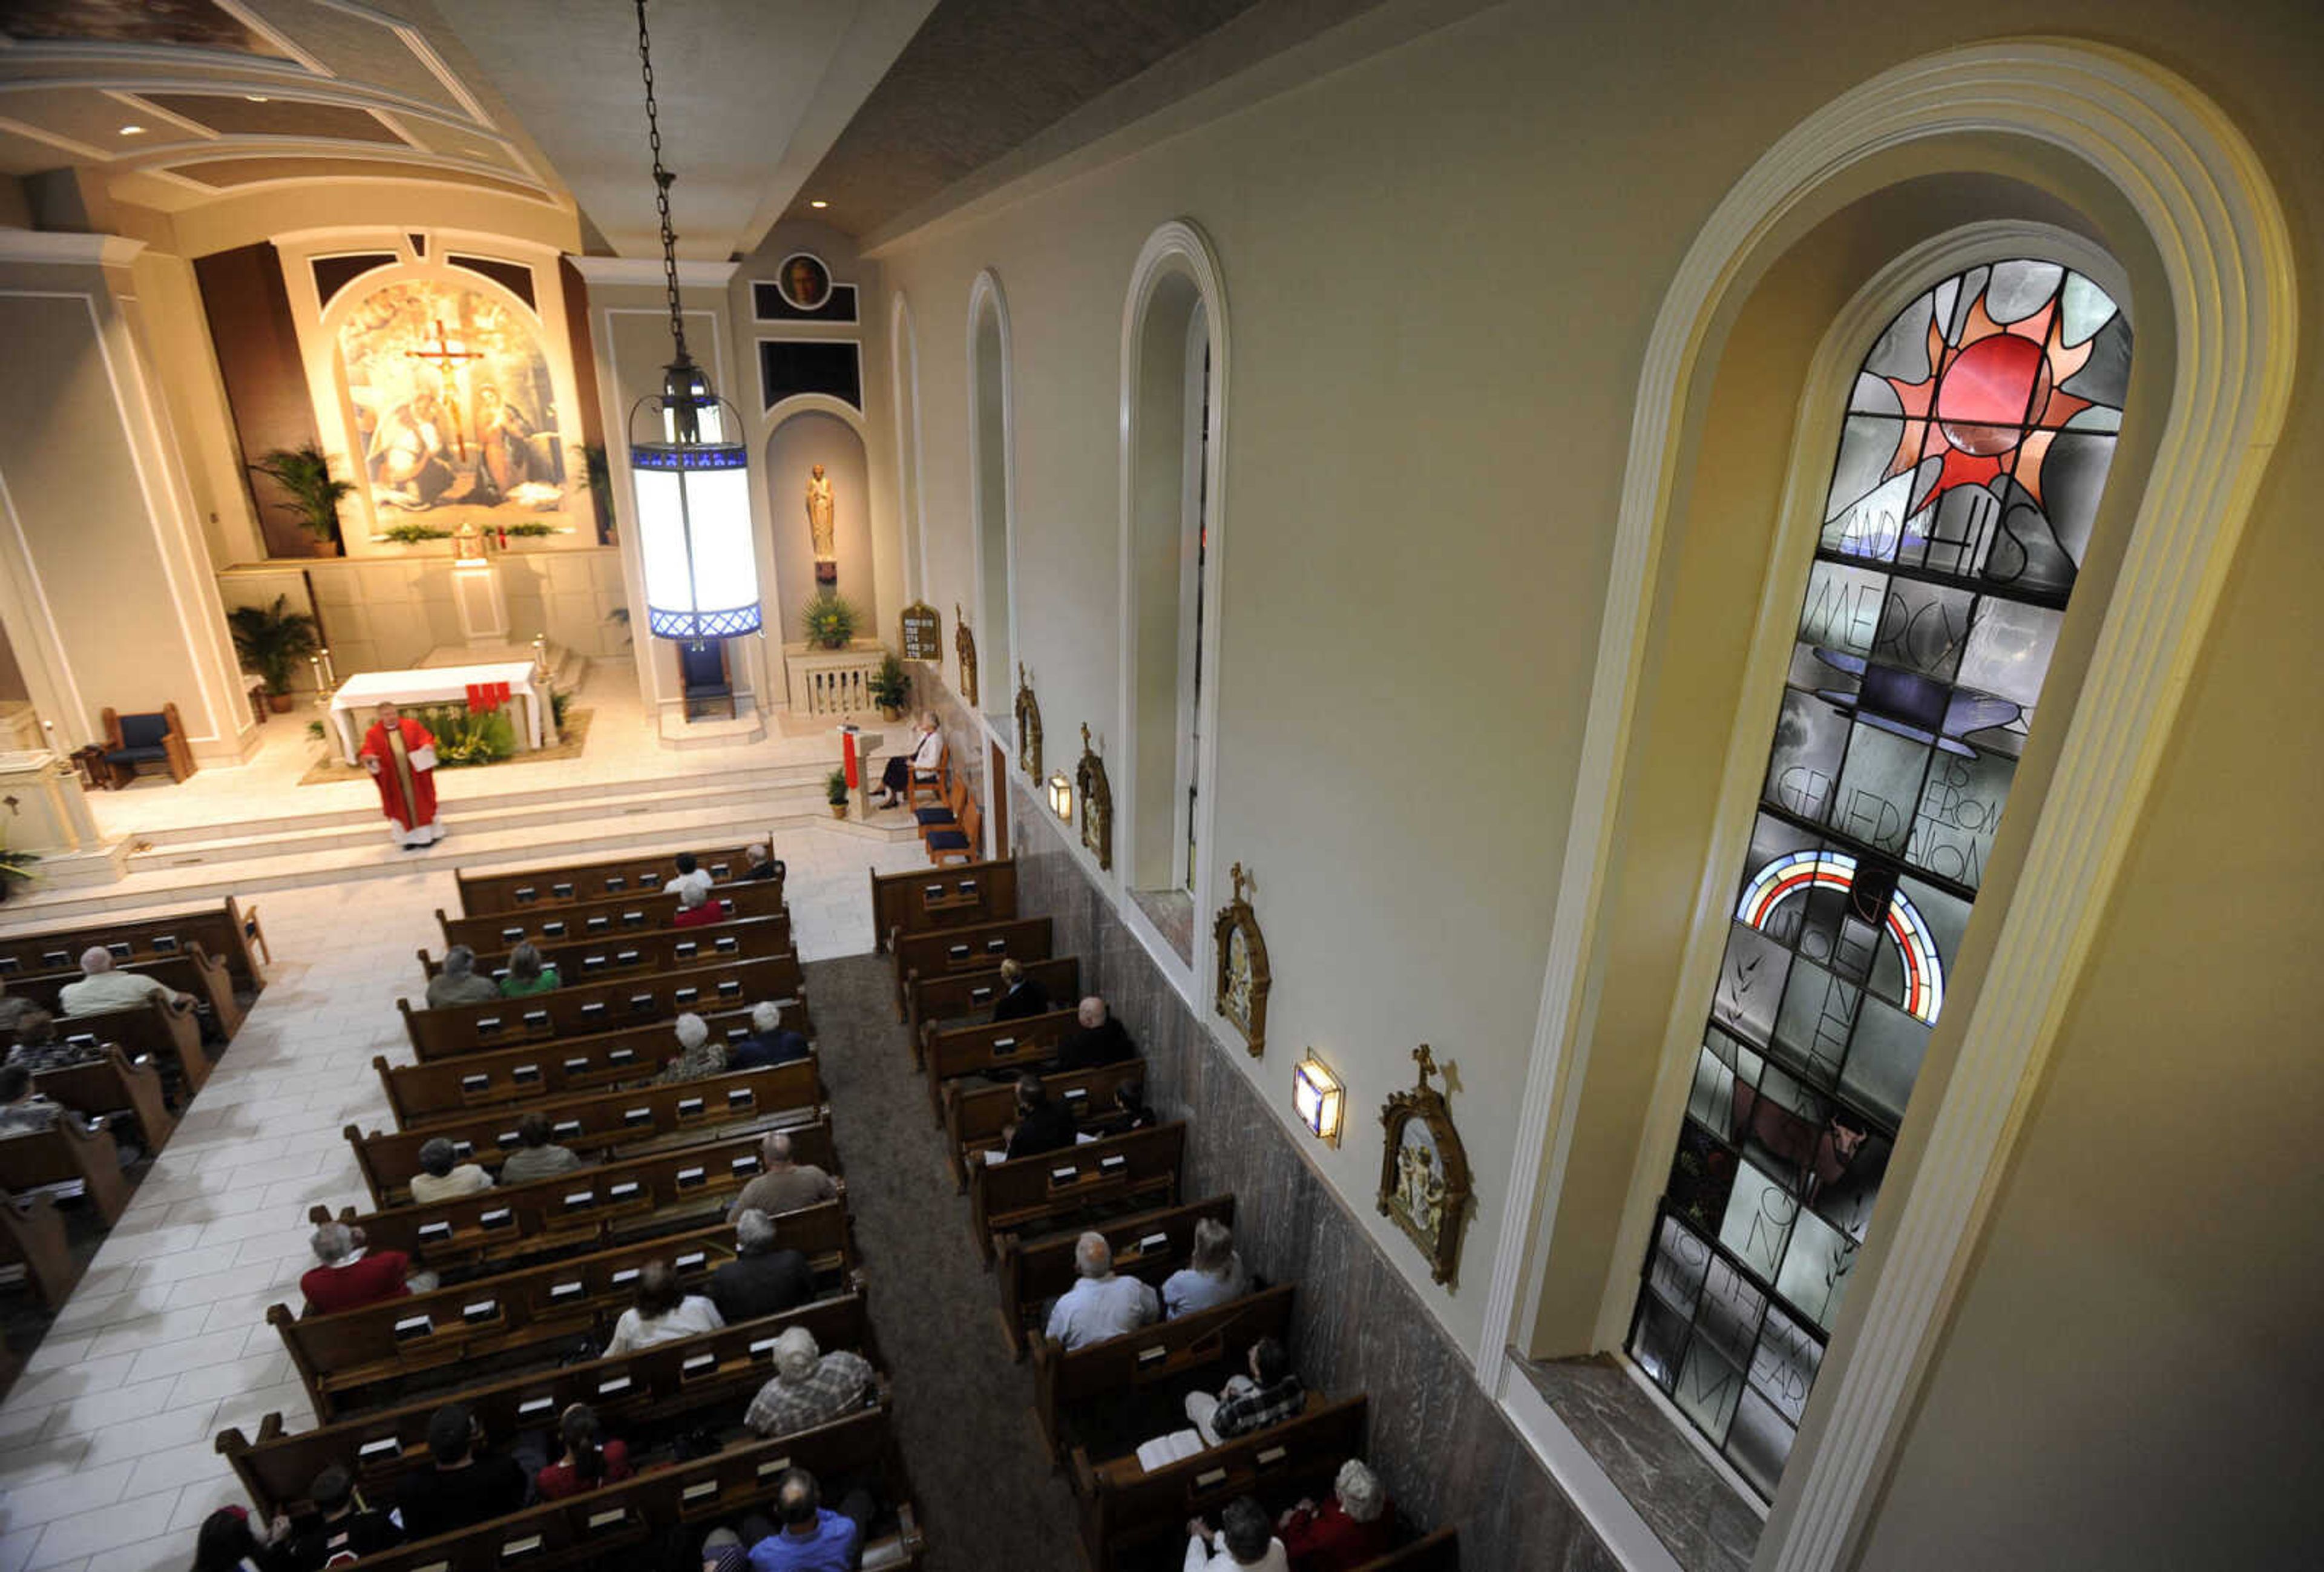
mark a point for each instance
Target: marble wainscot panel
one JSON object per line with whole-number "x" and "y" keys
{"x": 1446, "y": 1450}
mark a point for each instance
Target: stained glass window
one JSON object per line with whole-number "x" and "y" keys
{"x": 1975, "y": 444}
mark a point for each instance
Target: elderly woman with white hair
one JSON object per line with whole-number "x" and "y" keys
{"x": 922, "y": 762}
{"x": 348, "y": 1275}
{"x": 1350, "y": 1530}
{"x": 698, "y": 1053}
{"x": 809, "y": 1388}
{"x": 771, "y": 1043}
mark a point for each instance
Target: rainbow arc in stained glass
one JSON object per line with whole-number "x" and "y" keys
{"x": 1972, "y": 453}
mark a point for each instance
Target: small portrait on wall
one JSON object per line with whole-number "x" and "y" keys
{"x": 1424, "y": 1185}
{"x": 804, "y": 281}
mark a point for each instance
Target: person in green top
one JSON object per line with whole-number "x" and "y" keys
{"x": 526, "y": 974}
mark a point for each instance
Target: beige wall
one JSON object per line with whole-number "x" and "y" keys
{"x": 1441, "y": 266}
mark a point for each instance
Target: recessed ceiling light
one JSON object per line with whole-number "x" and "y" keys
{"x": 818, "y": 204}
{"x": 256, "y": 98}
{"x": 132, "y": 131}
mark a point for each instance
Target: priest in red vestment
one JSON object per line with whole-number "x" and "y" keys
{"x": 401, "y": 758}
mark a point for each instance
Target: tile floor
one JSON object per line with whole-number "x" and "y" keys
{"x": 105, "y": 1453}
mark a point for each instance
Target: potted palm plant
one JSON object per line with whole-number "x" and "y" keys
{"x": 890, "y": 687}
{"x": 272, "y": 641}
{"x": 304, "y": 472}
{"x": 834, "y": 792}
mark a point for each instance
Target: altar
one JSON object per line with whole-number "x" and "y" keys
{"x": 357, "y": 697}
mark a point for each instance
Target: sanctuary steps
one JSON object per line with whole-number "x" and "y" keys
{"x": 572, "y": 821}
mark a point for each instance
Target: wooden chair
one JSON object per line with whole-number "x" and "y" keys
{"x": 931, "y": 781}
{"x": 910, "y": 901}
{"x": 947, "y": 811}
{"x": 134, "y": 741}
{"x": 963, "y": 845}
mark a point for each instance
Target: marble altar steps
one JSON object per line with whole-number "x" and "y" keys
{"x": 580, "y": 819}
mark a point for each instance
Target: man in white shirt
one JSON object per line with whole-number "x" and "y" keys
{"x": 690, "y": 874}
{"x": 1101, "y": 1305}
{"x": 1242, "y": 1544}
{"x": 103, "y": 988}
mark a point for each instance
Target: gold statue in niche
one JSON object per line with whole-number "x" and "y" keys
{"x": 963, "y": 645}
{"x": 820, "y": 525}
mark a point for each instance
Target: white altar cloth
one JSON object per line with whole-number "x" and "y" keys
{"x": 357, "y": 697}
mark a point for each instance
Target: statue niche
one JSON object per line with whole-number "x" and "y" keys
{"x": 821, "y": 527}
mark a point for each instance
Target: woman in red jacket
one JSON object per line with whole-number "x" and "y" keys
{"x": 1351, "y": 1528}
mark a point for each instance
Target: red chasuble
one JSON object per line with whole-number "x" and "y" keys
{"x": 406, "y": 794}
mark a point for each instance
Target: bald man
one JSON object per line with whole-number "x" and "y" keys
{"x": 786, "y": 1186}
{"x": 1097, "y": 1039}
{"x": 103, "y": 988}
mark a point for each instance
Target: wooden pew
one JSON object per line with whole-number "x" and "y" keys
{"x": 661, "y": 950}
{"x": 628, "y": 1120}
{"x": 605, "y": 879}
{"x": 1052, "y": 1190}
{"x": 1027, "y": 1043}
{"x": 113, "y": 1084}
{"x": 1126, "y": 1510}
{"x": 1147, "y": 1245}
{"x": 610, "y": 1525}
{"x": 979, "y": 947}
{"x": 148, "y": 1031}
{"x": 1437, "y": 1552}
{"x": 66, "y": 1151}
{"x": 196, "y": 971}
{"x": 424, "y": 1093}
{"x": 597, "y": 1207}
{"x": 522, "y": 1315}
{"x": 33, "y": 1236}
{"x": 586, "y": 1008}
{"x": 961, "y": 995}
{"x": 228, "y": 930}
{"x": 630, "y": 1391}
{"x": 941, "y": 898}
{"x": 1105, "y": 1398}
{"x": 974, "y": 1116}
{"x": 599, "y": 919}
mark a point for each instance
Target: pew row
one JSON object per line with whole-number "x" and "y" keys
{"x": 977, "y": 1117}
{"x": 583, "y": 960}
{"x": 1147, "y": 1245}
{"x": 348, "y": 1359}
{"x": 978, "y": 947}
{"x": 66, "y": 1153}
{"x": 599, "y": 919}
{"x": 928, "y": 898}
{"x": 446, "y": 1088}
{"x": 115, "y": 1084}
{"x": 1057, "y": 1189}
{"x": 627, "y": 1121}
{"x": 196, "y": 972}
{"x": 608, "y": 878}
{"x": 613, "y": 1203}
{"x": 32, "y": 1237}
{"x": 586, "y": 1008}
{"x": 961, "y": 994}
{"x": 1104, "y": 1398}
{"x": 613, "y": 1525}
{"x": 1133, "y": 1517}
{"x": 990, "y": 1049}
{"x": 629, "y": 1390}
{"x": 149, "y": 1030}
{"x": 228, "y": 930}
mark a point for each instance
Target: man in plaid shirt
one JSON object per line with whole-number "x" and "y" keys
{"x": 1269, "y": 1395}
{"x": 808, "y": 1389}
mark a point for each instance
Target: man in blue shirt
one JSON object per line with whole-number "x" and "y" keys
{"x": 812, "y": 1539}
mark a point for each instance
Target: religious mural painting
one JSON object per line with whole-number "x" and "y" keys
{"x": 1097, "y": 803}
{"x": 1244, "y": 978}
{"x": 453, "y": 409}
{"x": 1974, "y": 448}
{"x": 193, "y": 23}
{"x": 1424, "y": 1186}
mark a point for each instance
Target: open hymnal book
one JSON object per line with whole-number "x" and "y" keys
{"x": 1163, "y": 1450}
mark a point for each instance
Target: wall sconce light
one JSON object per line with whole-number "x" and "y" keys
{"x": 1319, "y": 1098}
{"x": 1061, "y": 797}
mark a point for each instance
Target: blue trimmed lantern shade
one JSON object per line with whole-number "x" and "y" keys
{"x": 694, "y": 510}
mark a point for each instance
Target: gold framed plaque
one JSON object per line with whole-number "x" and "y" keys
{"x": 1424, "y": 1182}
{"x": 1028, "y": 726}
{"x": 921, "y": 632}
{"x": 1243, "y": 979}
{"x": 963, "y": 645}
{"x": 1097, "y": 803}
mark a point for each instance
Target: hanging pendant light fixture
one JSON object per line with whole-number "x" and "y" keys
{"x": 689, "y": 466}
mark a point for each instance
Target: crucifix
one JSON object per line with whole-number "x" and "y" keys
{"x": 443, "y": 352}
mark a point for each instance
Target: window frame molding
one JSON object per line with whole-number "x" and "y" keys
{"x": 2218, "y": 230}
{"x": 983, "y": 292}
{"x": 911, "y": 476}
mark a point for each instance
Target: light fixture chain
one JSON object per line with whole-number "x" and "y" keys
{"x": 663, "y": 178}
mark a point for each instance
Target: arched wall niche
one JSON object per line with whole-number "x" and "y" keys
{"x": 2126, "y": 172}
{"x": 808, "y": 435}
{"x": 992, "y": 495}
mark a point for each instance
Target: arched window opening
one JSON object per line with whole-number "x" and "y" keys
{"x": 1974, "y": 448}
{"x": 989, "y": 368}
